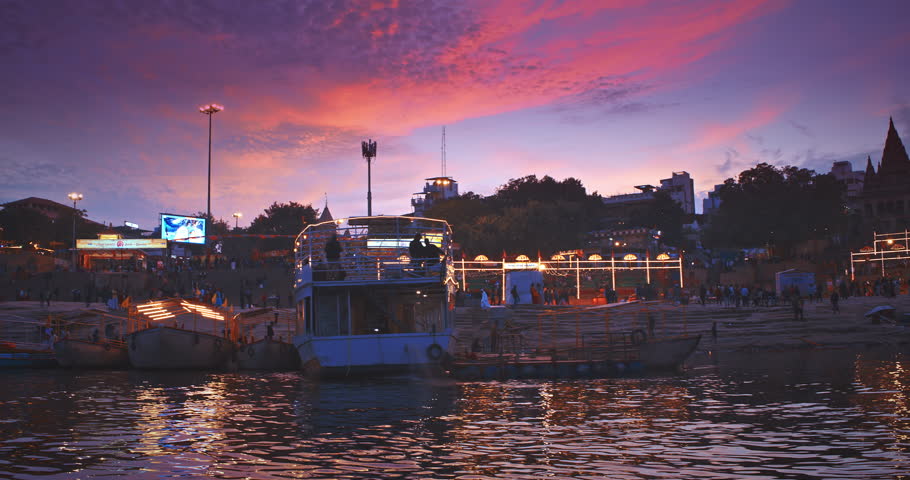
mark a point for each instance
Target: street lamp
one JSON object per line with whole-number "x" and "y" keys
{"x": 210, "y": 110}
{"x": 75, "y": 197}
{"x": 237, "y": 216}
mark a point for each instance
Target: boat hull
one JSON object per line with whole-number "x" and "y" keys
{"x": 166, "y": 347}
{"x": 381, "y": 354}
{"x": 647, "y": 357}
{"x": 27, "y": 360}
{"x": 268, "y": 355}
{"x": 667, "y": 354}
{"x": 84, "y": 354}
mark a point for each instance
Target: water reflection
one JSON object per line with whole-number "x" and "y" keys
{"x": 823, "y": 414}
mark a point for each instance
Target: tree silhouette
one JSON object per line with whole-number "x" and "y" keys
{"x": 283, "y": 219}
{"x": 777, "y": 207}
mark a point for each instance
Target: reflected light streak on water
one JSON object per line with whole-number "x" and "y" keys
{"x": 799, "y": 415}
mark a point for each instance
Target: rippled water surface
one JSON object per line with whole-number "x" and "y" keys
{"x": 800, "y": 415}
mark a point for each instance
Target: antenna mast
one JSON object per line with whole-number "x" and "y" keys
{"x": 368, "y": 148}
{"x": 443, "y": 150}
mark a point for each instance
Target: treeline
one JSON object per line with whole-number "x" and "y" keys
{"x": 531, "y": 214}
{"x": 764, "y": 206}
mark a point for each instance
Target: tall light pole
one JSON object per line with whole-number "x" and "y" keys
{"x": 237, "y": 216}
{"x": 75, "y": 197}
{"x": 369, "y": 152}
{"x": 210, "y": 110}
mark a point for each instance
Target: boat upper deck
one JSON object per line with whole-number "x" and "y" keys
{"x": 371, "y": 250}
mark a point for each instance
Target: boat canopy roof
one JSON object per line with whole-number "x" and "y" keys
{"x": 380, "y": 224}
{"x": 167, "y": 309}
{"x": 383, "y": 233}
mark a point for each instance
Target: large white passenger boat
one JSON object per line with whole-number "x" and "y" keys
{"x": 368, "y": 301}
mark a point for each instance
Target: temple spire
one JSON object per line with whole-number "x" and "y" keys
{"x": 894, "y": 155}
{"x": 870, "y": 170}
{"x": 326, "y": 214}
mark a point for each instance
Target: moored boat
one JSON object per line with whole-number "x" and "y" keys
{"x": 267, "y": 354}
{"x": 91, "y": 339}
{"x": 265, "y": 340}
{"x": 26, "y": 342}
{"x": 624, "y": 354}
{"x": 14, "y": 355}
{"x": 71, "y": 352}
{"x": 178, "y": 333}
{"x": 373, "y": 296}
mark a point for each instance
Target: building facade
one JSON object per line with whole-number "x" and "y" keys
{"x": 853, "y": 179}
{"x": 679, "y": 186}
{"x": 435, "y": 190}
{"x": 711, "y": 203}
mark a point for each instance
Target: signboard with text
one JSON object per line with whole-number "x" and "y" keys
{"x": 120, "y": 243}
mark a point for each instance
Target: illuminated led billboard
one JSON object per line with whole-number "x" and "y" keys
{"x": 178, "y": 228}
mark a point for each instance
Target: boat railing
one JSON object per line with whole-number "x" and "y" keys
{"x": 364, "y": 249}
{"x": 374, "y": 267}
{"x": 25, "y": 333}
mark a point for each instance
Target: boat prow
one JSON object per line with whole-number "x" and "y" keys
{"x": 667, "y": 354}
{"x": 267, "y": 354}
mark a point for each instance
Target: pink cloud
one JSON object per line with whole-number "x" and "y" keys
{"x": 493, "y": 69}
{"x": 713, "y": 135}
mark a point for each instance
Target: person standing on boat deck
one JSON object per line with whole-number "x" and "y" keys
{"x": 431, "y": 252}
{"x": 332, "y": 256}
{"x": 333, "y": 249}
{"x": 515, "y": 296}
{"x": 415, "y": 250}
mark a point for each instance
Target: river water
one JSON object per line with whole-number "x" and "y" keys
{"x": 832, "y": 414}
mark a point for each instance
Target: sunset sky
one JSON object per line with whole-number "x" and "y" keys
{"x": 102, "y": 97}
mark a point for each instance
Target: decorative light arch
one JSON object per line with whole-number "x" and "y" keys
{"x": 557, "y": 257}
{"x": 404, "y": 258}
{"x": 663, "y": 256}
{"x": 630, "y": 257}
{"x": 522, "y": 258}
{"x": 481, "y": 258}
{"x": 595, "y": 257}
